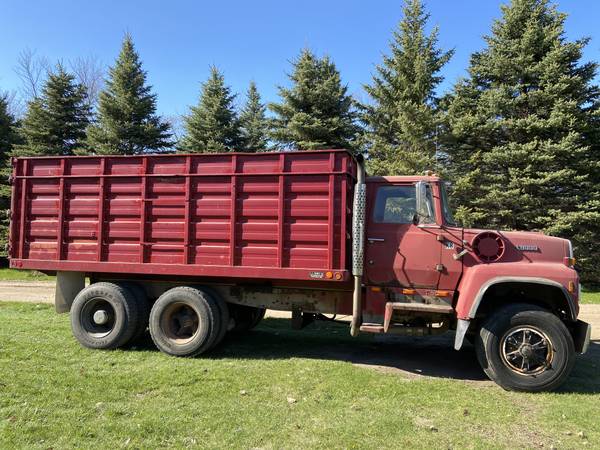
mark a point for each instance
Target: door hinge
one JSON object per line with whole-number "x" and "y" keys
{"x": 440, "y": 267}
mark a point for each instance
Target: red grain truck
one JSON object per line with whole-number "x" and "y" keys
{"x": 193, "y": 246}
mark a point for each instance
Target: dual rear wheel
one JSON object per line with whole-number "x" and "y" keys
{"x": 184, "y": 321}
{"x": 108, "y": 315}
{"x": 187, "y": 321}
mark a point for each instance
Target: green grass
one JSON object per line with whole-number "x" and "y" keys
{"x": 56, "y": 394}
{"x": 22, "y": 275}
{"x": 590, "y": 296}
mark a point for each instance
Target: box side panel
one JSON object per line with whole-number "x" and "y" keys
{"x": 157, "y": 214}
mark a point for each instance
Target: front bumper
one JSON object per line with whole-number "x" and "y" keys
{"x": 581, "y": 332}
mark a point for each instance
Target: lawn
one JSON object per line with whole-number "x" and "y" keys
{"x": 273, "y": 388}
{"x": 590, "y": 296}
{"x": 22, "y": 275}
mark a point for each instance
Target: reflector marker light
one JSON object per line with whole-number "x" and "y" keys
{"x": 409, "y": 291}
{"x": 569, "y": 261}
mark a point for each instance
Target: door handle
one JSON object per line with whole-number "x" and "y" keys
{"x": 370, "y": 239}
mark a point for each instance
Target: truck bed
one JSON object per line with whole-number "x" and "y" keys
{"x": 265, "y": 215}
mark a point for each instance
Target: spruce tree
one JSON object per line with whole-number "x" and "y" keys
{"x": 316, "y": 111}
{"x": 403, "y": 119}
{"x": 8, "y": 138}
{"x": 212, "y": 125}
{"x": 55, "y": 122}
{"x": 521, "y": 132}
{"x": 254, "y": 126}
{"x": 8, "y": 130}
{"x": 127, "y": 123}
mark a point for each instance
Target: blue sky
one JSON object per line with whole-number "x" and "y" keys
{"x": 178, "y": 40}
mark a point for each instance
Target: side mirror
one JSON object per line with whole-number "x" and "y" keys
{"x": 422, "y": 206}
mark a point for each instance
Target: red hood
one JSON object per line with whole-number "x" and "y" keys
{"x": 523, "y": 246}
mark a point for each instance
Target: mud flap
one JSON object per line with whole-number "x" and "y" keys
{"x": 68, "y": 285}
{"x": 581, "y": 332}
{"x": 462, "y": 326}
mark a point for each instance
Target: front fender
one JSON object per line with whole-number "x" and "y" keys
{"x": 478, "y": 279}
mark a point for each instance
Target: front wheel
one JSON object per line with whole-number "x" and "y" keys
{"x": 525, "y": 348}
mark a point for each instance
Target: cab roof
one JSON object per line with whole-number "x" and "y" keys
{"x": 404, "y": 179}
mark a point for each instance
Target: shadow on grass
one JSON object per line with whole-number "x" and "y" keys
{"x": 274, "y": 339}
{"x": 432, "y": 356}
{"x": 585, "y": 377}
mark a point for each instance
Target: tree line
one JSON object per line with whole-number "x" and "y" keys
{"x": 518, "y": 136}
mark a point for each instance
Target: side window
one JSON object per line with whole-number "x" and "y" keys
{"x": 395, "y": 204}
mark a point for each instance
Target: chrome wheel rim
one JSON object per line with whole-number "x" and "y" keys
{"x": 180, "y": 323}
{"x": 526, "y": 350}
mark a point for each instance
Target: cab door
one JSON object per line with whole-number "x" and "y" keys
{"x": 398, "y": 251}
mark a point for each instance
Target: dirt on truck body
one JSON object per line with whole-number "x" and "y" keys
{"x": 196, "y": 246}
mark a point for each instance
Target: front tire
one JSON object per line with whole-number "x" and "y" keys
{"x": 525, "y": 348}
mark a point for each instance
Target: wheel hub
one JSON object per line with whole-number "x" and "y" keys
{"x": 526, "y": 350}
{"x": 100, "y": 317}
{"x": 180, "y": 322}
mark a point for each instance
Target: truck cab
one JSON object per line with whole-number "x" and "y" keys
{"x": 502, "y": 290}
{"x": 410, "y": 243}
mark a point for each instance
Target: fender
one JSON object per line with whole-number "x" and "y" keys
{"x": 477, "y": 280}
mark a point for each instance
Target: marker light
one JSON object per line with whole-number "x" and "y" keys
{"x": 569, "y": 261}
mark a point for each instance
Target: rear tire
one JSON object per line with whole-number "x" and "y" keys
{"x": 141, "y": 298}
{"x": 104, "y": 316}
{"x": 523, "y": 347}
{"x": 245, "y": 317}
{"x": 184, "y": 321}
{"x": 223, "y": 313}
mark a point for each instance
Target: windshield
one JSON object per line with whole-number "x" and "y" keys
{"x": 446, "y": 211}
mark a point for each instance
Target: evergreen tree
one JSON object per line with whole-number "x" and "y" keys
{"x": 254, "y": 126}
{"x": 521, "y": 132}
{"x": 127, "y": 122}
{"x": 55, "y": 122}
{"x": 8, "y": 138}
{"x": 8, "y": 130}
{"x": 403, "y": 119}
{"x": 316, "y": 111}
{"x": 212, "y": 126}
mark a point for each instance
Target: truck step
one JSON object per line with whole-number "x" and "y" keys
{"x": 390, "y": 307}
{"x": 372, "y": 328}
